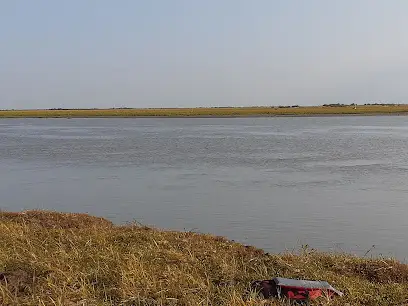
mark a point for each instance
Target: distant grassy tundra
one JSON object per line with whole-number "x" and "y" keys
{"x": 209, "y": 112}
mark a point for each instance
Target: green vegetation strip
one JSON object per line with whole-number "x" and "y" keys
{"x": 49, "y": 258}
{"x": 208, "y": 112}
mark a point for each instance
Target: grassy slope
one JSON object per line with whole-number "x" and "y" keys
{"x": 70, "y": 259}
{"x": 197, "y": 112}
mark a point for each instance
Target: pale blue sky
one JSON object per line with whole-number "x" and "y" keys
{"x": 182, "y": 53}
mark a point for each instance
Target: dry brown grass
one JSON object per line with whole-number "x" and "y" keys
{"x": 208, "y": 112}
{"x": 73, "y": 259}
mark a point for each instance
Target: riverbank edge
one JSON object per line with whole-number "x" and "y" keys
{"x": 77, "y": 258}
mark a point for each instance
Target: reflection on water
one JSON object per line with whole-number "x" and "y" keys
{"x": 277, "y": 183}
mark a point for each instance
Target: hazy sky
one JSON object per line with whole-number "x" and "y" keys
{"x": 160, "y": 53}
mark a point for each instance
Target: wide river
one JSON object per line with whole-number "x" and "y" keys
{"x": 333, "y": 183}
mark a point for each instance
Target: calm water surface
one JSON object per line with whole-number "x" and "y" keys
{"x": 338, "y": 183}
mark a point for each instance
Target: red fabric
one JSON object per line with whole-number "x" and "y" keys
{"x": 299, "y": 293}
{"x": 315, "y": 293}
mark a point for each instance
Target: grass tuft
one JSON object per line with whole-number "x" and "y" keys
{"x": 49, "y": 258}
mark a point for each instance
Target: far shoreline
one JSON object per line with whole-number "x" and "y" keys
{"x": 215, "y": 116}
{"x": 215, "y": 112}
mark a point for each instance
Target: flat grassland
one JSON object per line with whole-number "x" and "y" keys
{"x": 209, "y": 112}
{"x": 49, "y": 258}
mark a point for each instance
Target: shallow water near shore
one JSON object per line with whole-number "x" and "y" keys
{"x": 334, "y": 183}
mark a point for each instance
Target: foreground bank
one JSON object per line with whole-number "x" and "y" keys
{"x": 50, "y": 258}
{"x": 210, "y": 112}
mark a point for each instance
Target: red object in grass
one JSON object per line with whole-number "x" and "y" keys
{"x": 295, "y": 289}
{"x": 299, "y": 289}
